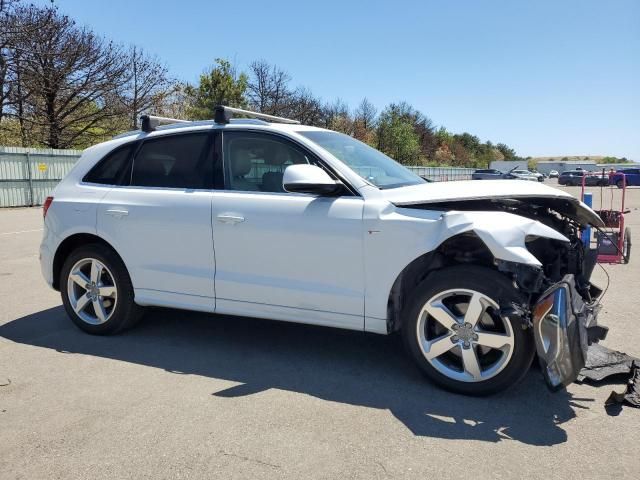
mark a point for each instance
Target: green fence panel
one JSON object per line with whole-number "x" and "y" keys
{"x": 27, "y": 175}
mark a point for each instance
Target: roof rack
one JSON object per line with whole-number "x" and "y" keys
{"x": 151, "y": 122}
{"x": 223, "y": 114}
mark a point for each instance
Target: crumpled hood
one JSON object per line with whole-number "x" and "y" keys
{"x": 495, "y": 190}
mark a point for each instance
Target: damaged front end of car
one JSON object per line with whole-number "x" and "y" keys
{"x": 539, "y": 246}
{"x": 562, "y": 314}
{"x": 564, "y": 325}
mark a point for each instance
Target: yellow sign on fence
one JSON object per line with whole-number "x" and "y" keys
{"x": 42, "y": 167}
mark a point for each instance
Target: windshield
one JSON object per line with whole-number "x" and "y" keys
{"x": 375, "y": 167}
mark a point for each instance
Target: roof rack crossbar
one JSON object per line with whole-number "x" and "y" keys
{"x": 150, "y": 122}
{"x": 223, "y": 114}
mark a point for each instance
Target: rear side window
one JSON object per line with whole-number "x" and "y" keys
{"x": 114, "y": 169}
{"x": 176, "y": 161}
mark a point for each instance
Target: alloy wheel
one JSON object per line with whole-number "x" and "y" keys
{"x": 462, "y": 335}
{"x": 92, "y": 291}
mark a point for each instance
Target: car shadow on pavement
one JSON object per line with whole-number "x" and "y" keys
{"x": 336, "y": 365}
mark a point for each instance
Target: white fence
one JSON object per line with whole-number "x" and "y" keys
{"x": 27, "y": 175}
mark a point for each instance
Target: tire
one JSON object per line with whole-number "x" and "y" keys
{"x": 104, "y": 305}
{"x": 626, "y": 246}
{"x": 498, "y": 368}
{"x": 619, "y": 184}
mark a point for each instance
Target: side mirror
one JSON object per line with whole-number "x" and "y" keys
{"x": 309, "y": 179}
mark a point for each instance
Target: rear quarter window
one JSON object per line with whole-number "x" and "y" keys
{"x": 114, "y": 168}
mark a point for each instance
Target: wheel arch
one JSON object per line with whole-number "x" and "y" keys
{"x": 465, "y": 248}
{"x": 70, "y": 244}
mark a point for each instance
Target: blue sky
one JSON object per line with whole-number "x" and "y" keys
{"x": 546, "y": 77}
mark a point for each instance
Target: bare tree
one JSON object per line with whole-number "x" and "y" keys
{"x": 268, "y": 89}
{"x": 173, "y": 101}
{"x": 364, "y": 121}
{"x": 7, "y": 34}
{"x": 12, "y": 93}
{"x": 306, "y": 108}
{"x": 146, "y": 78}
{"x": 69, "y": 77}
{"x": 337, "y": 117}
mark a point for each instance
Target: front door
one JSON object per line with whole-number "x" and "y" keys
{"x": 281, "y": 255}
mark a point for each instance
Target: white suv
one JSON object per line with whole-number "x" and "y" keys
{"x": 277, "y": 220}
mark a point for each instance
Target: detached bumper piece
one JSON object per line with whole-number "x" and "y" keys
{"x": 631, "y": 396}
{"x": 603, "y": 363}
{"x": 564, "y": 326}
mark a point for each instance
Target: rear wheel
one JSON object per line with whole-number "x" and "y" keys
{"x": 619, "y": 184}
{"x": 454, "y": 331}
{"x": 96, "y": 291}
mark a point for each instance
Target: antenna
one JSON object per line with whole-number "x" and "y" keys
{"x": 223, "y": 114}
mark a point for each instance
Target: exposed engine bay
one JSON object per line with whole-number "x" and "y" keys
{"x": 558, "y": 258}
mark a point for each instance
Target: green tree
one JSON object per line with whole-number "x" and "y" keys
{"x": 614, "y": 160}
{"x": 398, "y": 138}
{"x": 509, "y": 153}
{"x": 218, "y": 86}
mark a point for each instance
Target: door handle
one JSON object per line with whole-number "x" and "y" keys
{"x": 116, "y": 212}
{"x": 231, "y": 219}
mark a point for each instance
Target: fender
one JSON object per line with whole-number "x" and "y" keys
{"x": 395, "y": 237}
{"x": 503, "y": 233}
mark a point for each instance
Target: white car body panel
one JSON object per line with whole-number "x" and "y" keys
{"x": 468, "y": 189}
{"x": 298, "y": 252}
{"x": 341, "y": 257}
{"x": 164, "y": 237}
{"x": 397, "y": 236}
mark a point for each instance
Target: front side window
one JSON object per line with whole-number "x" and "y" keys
{"x": 175, "y": 161}
{"x": 372, "y": 165}
{"x": 255, "y": 162}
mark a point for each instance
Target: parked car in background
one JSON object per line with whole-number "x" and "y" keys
{"x": 526, "y": 175}
{"x": 574, "y": 178}
{"x": 554, "y": 174}
{"x": 488, "y": 174}
{"x": 277, "y": 220}
{"x": 632, "y": 176}
{"x": 541, "y": 176}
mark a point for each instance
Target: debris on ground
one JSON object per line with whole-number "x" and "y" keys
{"x": 4, "y": 383}
{"x": 602, "y": 363}
{"x": 631, "y": 396}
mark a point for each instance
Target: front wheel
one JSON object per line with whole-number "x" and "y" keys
{"x": 455, "y": 333}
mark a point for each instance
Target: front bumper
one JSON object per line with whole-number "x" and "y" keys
{"x": 563, "y": 327}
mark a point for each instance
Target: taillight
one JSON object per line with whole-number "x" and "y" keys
{"x": 46, "y": 205}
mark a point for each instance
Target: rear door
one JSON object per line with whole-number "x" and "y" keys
{"x": 160, "y": 221}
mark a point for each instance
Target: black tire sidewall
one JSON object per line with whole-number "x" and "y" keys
{"x": 491, "y": 283}
{"x": 627, "y": 253}
{"x": 126, "y": 311}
